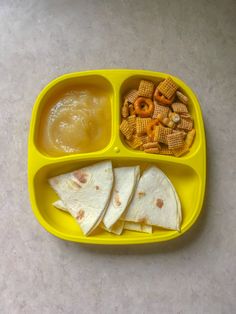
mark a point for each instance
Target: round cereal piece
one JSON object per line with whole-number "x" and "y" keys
{"x": 144, "y": 107}
{"x": 162, "y": 99}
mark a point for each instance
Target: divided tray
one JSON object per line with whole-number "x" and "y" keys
{"x": 187, "y": 173}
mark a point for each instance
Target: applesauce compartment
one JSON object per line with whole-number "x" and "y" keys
{"x": 185, "y": 180}
{"x": 133, "y": 83}
{"x": 74, "y": 116}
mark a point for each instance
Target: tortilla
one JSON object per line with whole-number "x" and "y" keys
{"x": 60, "y": 205}
{"x": 125, "y": 181}
{"x": 179, "y": 218}
{"x": 117, "y": 228}
{"x": 86, "y": 193}
{"x": 155, "y": 202}
{"x": 134, "y": 226}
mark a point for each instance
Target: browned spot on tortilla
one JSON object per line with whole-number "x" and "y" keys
{"x": 97, "y": 187}
{"x": 81, "y": 176}
{"x": 143, "y": 220}
{"x": 77, "y": 184}
{"x": 141, "y": 194}
{"x": 159, "y": 203}
{"x": 54, "y": 180}
{"x": 80, "y": 214}
{"x": 117, "y": 198}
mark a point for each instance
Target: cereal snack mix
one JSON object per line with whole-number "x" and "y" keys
{"x": 156, "y": 118}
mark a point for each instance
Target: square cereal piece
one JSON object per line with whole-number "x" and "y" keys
{"x": 131, "y": 96}
{"x": 164, "y": 110}
{"x": 125, "y": 129}
{"x": 180, "y": 151}
{"x": 175, "y": 140}
{"x": 134, "y": 142}
{"x": 165, "y": 150}
{"x": 168, "y": 87}
{"x": 125, "y": 109}
{"x": 144, "y": 138}
{"x": 160, "y": 134}
{"x": 141, "y": 125}
{"x": 178, "y": 107}
{"x": 132, "y": 123}
{"x": 146, "y": 89}
{"x": 185, "y": 124}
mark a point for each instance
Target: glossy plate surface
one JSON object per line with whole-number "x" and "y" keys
{"x": 187, "y": 173}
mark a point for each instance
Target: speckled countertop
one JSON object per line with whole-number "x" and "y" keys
{"x": 41, "y": 40}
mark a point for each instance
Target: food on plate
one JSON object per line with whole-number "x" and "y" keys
{"x": 76, "y": 121}
{"x": 85, "y": 193}
{"x": 134, "y": 226}
{"x": 143, "y": 107}
{"x": 155, "y": 201}
{"x": 150, "y": 114}
{"x": 168, "y": 88}
{"x": 125, "y": 180}
{"x": 146, "y": 89}
{"x": 117, "y": 228}
{"x": 182, "y": 97}
{"x": 190, "y": 137}
{"x": 60, "y": 205}
{"x": 118, "y": 199}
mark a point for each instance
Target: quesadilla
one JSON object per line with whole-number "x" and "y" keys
{"x": 60, "y": 205}
{"x": 85, "y": 193}
{"x": 125, "y": 181}
{"x": 117, "y": 228}
{"x": 135, "y": 226}
{"x": 155, "y": 201}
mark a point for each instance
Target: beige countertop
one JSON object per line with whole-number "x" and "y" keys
{"x": 41, "y": 40}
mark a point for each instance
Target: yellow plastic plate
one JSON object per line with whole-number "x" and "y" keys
{"x": 187, "y": 173}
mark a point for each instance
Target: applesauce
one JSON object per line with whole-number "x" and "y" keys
{"x": 76, "y": 121}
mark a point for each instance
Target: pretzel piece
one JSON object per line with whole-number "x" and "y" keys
{"x": 182, "y": 98}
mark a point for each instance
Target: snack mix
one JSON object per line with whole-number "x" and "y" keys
{"x": 157, "y": 120}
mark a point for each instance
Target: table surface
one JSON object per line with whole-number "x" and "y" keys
{"x": 41, "y": 40}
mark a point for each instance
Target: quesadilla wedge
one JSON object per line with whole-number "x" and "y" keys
{"x": 155, "y": 202}
{"x": 135, "y": 226}
{"x": 125, "y": 181}
{"x": 85, "y": 193}
{"x": 117, "y": 228}
{"x": 60, "y": 205}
